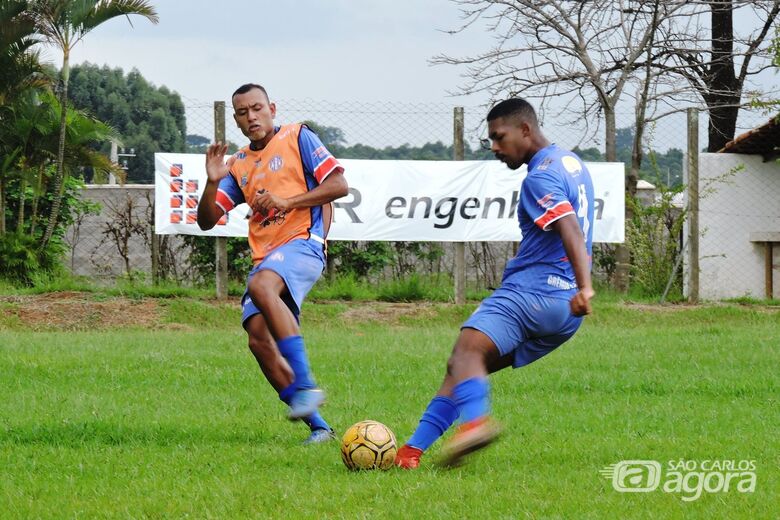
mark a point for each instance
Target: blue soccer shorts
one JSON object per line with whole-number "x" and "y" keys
{"x": 299, "y": 263}
{"x": 529, "y": 325}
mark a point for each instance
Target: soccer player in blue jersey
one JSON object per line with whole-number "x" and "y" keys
{"x": 289, "y": 179}
{"x": 545, "y": 291}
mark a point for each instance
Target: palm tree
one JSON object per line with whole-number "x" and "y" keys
{"x": 63, "y": 23}
{"x": 33, "y": 143}
{"x": 20, "y": 70}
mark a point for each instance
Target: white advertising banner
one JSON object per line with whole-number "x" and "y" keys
{"x": 431, "y": 201}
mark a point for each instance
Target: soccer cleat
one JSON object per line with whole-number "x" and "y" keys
{"x": 408, "y": 457}
{"x": 320, "y": 436}
{"x": 305, "y": 402}
{"x": 470, "y": 437}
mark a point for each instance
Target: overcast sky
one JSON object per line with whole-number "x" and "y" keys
{"x": 334, "y": 51}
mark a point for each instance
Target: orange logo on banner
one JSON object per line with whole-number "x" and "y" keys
{"x": 176, "y": 217}
{"x": 192, "y": 201}
{"x": 191, "y": 186}
{"x": 176, "y": 185}
{"x": 176, "y": 201}
{"x": 176, "y": 170}
{"x": 192, "y": 217}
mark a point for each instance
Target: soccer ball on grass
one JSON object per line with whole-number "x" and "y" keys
{"x": 368, "y": 445}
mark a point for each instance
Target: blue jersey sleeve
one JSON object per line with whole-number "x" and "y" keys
{"x": 317, "y": 160}
{"x": 229, "y": 194}
{"x": 543, "y": 196}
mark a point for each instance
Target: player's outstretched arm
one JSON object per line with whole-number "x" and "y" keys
{"x": 569, "y": 229}
{"x": 216, "y": 169}
{"x": 333, "y": 187}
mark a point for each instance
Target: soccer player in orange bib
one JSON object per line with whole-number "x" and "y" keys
{"x": 289, "y": 180}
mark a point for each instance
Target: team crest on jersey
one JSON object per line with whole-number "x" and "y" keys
{"x": 244, "y": 180}
{"x": 276, "y": 163}
{"x": 277, "y": 257}
{"x": 571, "y": 164}
{"x": 240, "y": 155}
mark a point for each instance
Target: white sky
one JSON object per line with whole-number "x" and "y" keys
{"x": 339, "y": 51}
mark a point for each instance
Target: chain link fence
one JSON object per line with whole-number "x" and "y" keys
{"x": 118, "y": 241}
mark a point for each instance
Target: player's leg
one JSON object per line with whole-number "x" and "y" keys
{"x": 545, "y": 322}
{"x": 474, "y": 355}
{"x": 442, "y": 411}
{"x": 277, "y": 287}
{"x": 278, "y": 372}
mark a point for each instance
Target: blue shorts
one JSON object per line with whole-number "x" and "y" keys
{"x": 530, "y": 325}
{"x": 300, "y": 264}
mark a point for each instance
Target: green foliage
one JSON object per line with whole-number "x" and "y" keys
{"x": 202, "y": 258}
{"x": 346, "y": 287}
{"x": 21, "y": 251}
{"x": 148, "y": 119}
{"x": 22, "y": 260}
{"x": 653, "y": 238}
{"x": 359, "y": 258}
{"x": 415, "y": 288}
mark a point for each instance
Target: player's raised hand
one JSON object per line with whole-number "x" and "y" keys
{"x": 216, "y": 167}
{"x": 580, "y": 304}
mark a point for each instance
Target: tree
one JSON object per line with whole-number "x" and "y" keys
{"x": 584, "y": 56}
{"x": 148, "y": 119}
{"x": 20, "y": 71}
{"x": 63, "y": 23}
{"x": 719, "y": 72}
{"x": 20, "y": 68}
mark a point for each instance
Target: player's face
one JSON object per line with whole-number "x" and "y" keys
{"x": 254, "y": 115}
{"x": 510, "y": 141}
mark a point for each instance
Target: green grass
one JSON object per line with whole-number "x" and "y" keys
{"x": 178, "y": 422}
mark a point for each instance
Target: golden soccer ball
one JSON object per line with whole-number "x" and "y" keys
{"x": 368, "y": 445}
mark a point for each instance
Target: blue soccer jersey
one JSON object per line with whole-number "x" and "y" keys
{"x": 557, "y": 184}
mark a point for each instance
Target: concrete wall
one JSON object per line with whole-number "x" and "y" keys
{"x": 739, "y": 195}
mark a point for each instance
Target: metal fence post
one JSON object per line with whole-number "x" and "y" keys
{"x": 221, "y": 242}
{"x": 693, "y": 205}
{"x": 155, "y": 252}
{"x": 460, "y": 247}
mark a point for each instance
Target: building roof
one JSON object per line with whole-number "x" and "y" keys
{"x": 764, "y": 141}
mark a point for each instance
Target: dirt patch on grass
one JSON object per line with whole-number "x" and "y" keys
{"x": 391, "y": 313}
{"x": 77, "y": 311}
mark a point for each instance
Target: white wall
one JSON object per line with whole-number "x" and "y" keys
{"x": 733, "y": 204}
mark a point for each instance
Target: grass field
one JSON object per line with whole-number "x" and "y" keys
{"x": 170, "y": 417}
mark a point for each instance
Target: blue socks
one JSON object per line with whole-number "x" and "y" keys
{"x": 314, "y": 421}
{"x": 472, "y": 397}
{"x": 293, "y": 351}
{"x": 436, "y": 419}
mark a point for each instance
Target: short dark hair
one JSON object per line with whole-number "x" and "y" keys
{"x": 514, "y": 108}
{"x": 246, "y": 87}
